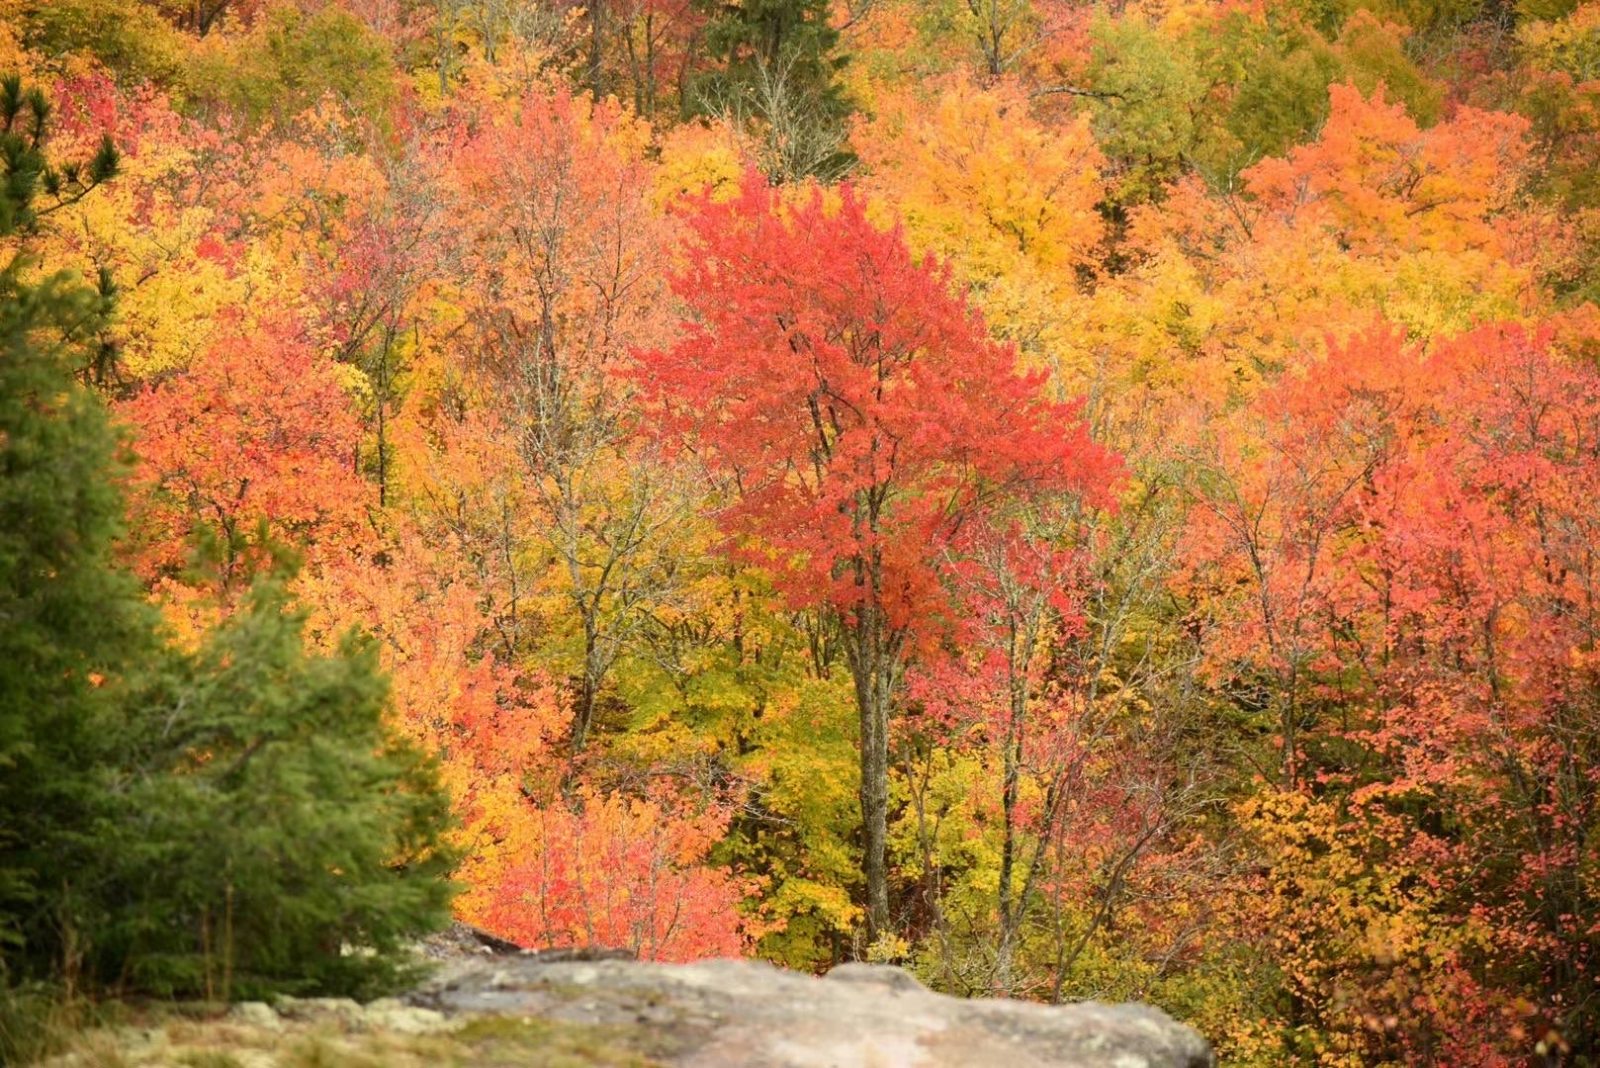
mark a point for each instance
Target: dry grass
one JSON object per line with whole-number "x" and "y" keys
{"x": 489, "y": 1042}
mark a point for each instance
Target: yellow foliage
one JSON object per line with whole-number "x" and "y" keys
{"x": 1007, "y": 201}
{"x": 1357, "y": 928}
{"x": 1570, "y": 45}
{"x": 699, "y": 158}
{"x": 980, "y": 183}
{"x": 13, "y": 56}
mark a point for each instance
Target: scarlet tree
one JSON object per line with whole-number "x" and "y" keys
{"x": 862, "y": 412}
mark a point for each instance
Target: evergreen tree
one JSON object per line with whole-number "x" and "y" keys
{"x": 777, "y": 71}
{"x": 231, "y": 820}
{"x": 270, "y": 832}
{"x": 70, "y": 623}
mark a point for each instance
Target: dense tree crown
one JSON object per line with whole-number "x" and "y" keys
{"x": 1079, "y": 500}
{"x": 862, "y": 417}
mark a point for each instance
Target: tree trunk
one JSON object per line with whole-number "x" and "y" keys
{"x": 1009, "y": 908}
{"x": 589, "y": 687}
{"x": 872, "y": 701}
{"x": 597, "y": 22}
{"x": 874, "y": 666}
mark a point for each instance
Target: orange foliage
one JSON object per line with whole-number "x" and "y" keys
{"x": 618, "y": 451}
{"x": 1377, "y": 180}
{"x": 256, "y": 437}
{"x": 597, "y": 869}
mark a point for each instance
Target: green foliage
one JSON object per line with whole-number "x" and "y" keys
{"x": 1422, "y": 16}
{"x": 804, "y": 845}
{"x": 68, "y": 619}
{"x": 937, "y": 22}
{"x": 1228, "y": 94}
{"x": 1426, "y": 15}
{"x": 289, "y": 61}
{"x": 1231, "y": 991}
{"x": 1373, "y": 55}
{"x": 791, "y": 735}
{"x": 1546, "y": 10}
{"x": 1564, "y": 110}
{"x": 1280, "y": 78}
{"x": 233, "y": 819}
{"x": 1565, "y": 119}
{"x": 269, "y": 833}
{"x": 1570, "y": 45}
{"x": 754, "y": 34}
{"x": 130, "y": 38}
{"x": 28, "y": 176}
{"x": 775, "y": 67}
{"x": 1149, "y": 91}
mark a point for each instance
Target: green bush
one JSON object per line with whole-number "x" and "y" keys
{"x": 268, "y": 833}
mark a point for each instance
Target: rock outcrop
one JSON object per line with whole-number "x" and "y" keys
{"x": 747, "y": 1014}
{"x": 491, "y": 1005}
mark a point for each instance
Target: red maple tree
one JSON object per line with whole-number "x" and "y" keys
{"x": 861, "y": 412}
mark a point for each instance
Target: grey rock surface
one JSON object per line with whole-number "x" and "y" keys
{"x": 256, "y": 1014}
{"x": 395, "y": 1016}
{"x": 747, "y": 1014}
{"x": 344, "y": 1011}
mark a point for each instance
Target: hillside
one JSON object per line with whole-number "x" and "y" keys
{"x": 1077, "y": 500}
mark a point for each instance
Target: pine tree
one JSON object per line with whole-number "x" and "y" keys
{"x": 69, "y": 621}
{"x": 231, "y": 820}
{"x": 270, "y": 833}
{"x": 778, "y": 71}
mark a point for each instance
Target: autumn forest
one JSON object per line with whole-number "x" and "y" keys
{"x": 1077, "y": 498}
